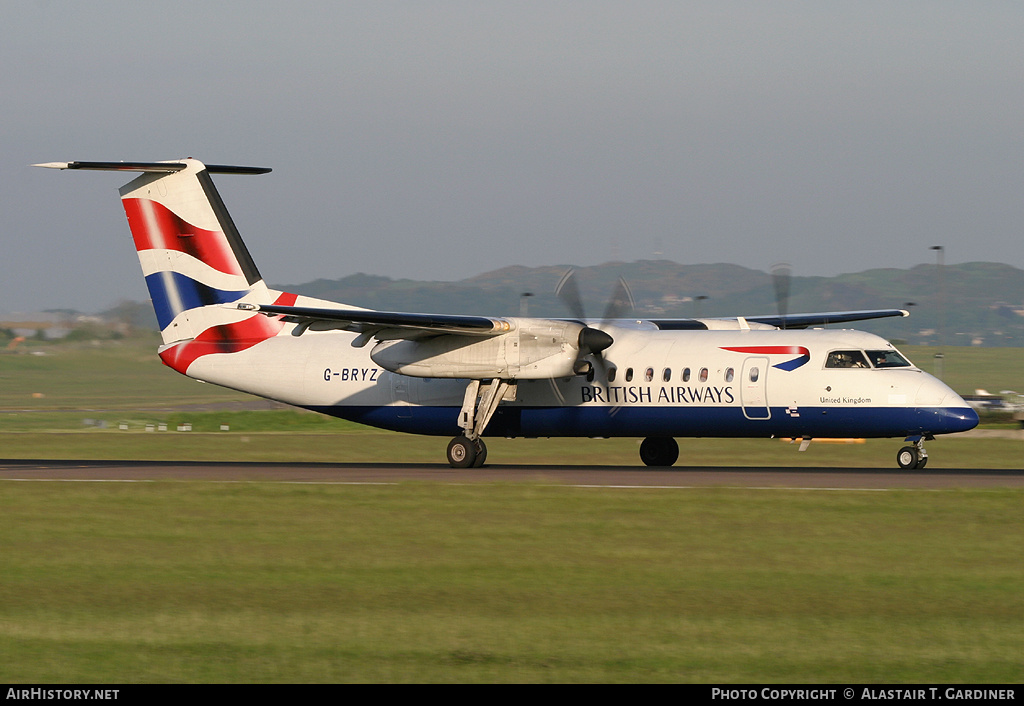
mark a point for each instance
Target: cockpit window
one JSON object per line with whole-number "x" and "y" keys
{"x": 846, "y": 359}
{"x": 888, "y": 359}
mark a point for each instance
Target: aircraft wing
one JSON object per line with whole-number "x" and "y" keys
{"x": 397, "y": 325}
{"x": 823, "y": 318}
{"x": 384, "y": 324}
{"x": 787, "y": 321}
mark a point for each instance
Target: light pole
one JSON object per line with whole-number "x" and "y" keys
{"x": 907, "y": 306}
{"x": 699, "y": 298}
{"x": 524, "y": 302}
{"x": 940, "y": 271}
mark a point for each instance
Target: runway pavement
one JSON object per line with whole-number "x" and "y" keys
{"x": 602, "y": 476}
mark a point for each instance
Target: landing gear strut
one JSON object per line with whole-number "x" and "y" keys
{"x": 468, "y": 450}
{"x": 913, "y": 457}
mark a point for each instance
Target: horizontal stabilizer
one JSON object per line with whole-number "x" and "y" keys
{"x": 164, "y": 167}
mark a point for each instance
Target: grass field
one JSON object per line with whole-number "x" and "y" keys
{"x": 213, "y": 582}
{"x": 518, "y": 582}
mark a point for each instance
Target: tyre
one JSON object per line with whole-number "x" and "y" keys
{"x": 461, "y": 452}
{"x": 658, "y": 451}
{"x": 907, "y": 457}
{"x": 481, "y": 454}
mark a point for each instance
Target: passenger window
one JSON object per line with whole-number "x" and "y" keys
{"x": 611, "y": 374}
{"x": 686, "y": 375}
{"x": 728, "y": 374}
{"x": 649, "y": 374}
{"x": 590, "y": 375}
{"x": 703, "y": 374}
{"x": 629, "y": 374}
{"x": 754, "y": 374}
{"x": 667, "y": 375}
{"x": 846, "y": 359}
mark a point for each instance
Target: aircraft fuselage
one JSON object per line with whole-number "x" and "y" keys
{"x": 668, "y": 383}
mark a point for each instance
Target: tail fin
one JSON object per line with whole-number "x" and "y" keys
{"x": 193, "y": 258}
{"x": 191, "y": 253}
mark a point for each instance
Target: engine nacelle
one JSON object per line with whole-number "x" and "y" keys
{"x": 535, "y": 349}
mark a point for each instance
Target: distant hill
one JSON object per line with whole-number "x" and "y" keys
{"x": 976, "y": 303}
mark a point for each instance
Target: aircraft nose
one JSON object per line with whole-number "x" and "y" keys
{"x": 951, "y": 414}
{"x": 951, "y": 419}
{"x": 947, "y": 411}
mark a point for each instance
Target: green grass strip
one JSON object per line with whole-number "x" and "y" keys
{"x": 259, "y": 582}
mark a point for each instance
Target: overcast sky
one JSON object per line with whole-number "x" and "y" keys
{"x": 440, "y": 140}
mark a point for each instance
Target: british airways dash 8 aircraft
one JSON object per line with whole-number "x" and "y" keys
{"x": 758, "y": 376}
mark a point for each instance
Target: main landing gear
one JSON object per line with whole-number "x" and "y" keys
{"x": 659, "y": 451}
{"x": 466, "y": 453}
{"x": 468, "y": 449}
{"x": 913, "y": 457}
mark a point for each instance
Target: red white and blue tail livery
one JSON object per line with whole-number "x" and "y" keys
{"x": 473, "y": 376}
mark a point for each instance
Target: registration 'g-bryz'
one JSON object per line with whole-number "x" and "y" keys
{"x": 467, "y": 376}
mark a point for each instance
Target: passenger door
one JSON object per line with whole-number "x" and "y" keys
{"x": 753, "y": 394}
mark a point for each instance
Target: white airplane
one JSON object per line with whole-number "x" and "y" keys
{"x": 760, "y": 376}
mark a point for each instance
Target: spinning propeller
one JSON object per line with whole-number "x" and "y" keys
{"x": 593, "y": 341}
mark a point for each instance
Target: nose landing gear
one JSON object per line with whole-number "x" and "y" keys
{"x": 913, "y": 457}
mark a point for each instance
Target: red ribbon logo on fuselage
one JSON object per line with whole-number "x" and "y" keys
{"x": 802, "y": 354}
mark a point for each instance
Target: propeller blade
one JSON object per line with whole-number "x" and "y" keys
{"x": 556, "y": 392}
{"x": 780, "y": 280}
{"x": 621, "y": 302}
{"x": 592, "y": 341}
{"x": 569, "y": 292}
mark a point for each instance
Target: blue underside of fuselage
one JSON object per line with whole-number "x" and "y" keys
{"x": 643, "y": 421}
